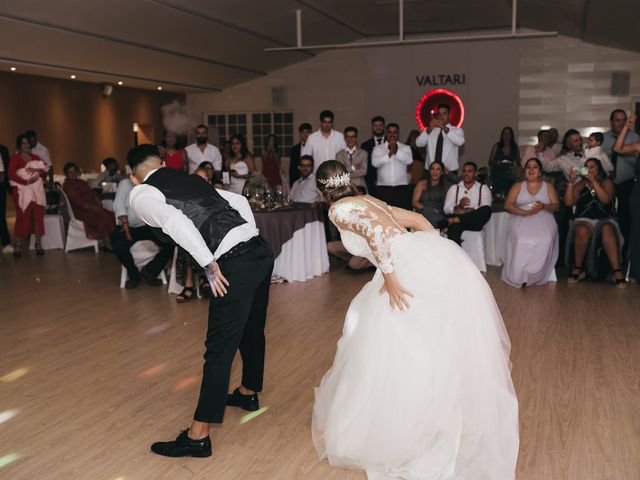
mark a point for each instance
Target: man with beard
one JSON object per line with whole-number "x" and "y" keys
{"x": 324, "y": 143}
{"x": 203, "y": 151}
{"x": 377, "y": 129}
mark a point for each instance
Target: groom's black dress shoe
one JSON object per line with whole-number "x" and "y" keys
{"x": 247, "y": 402}
{"x": 183, "y": 446}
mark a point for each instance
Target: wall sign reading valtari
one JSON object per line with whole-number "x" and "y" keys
{"x": 441, "y": 79}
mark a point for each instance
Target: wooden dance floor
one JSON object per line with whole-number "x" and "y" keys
{"x": 91, "y": 375}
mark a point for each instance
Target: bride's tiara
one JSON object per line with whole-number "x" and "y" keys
{"x": 337, "y": 180}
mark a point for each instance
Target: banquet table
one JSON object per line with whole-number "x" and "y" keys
{"x": 495, "y": 235}
{"x": 297, "y": 236}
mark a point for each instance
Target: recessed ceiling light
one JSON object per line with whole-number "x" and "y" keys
{"x": 120, "y": 82}
{"x": 13, "y": 69}
{"x": 159, "y": 88}
{"x": 73, "y": 77}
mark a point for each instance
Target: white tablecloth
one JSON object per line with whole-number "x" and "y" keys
{"x": 54, "y": 233}
{"x": 304, "y": 256}
{"x": 495, "y": 238}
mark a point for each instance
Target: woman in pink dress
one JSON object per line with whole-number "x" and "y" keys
{"x": 271, "y": 163}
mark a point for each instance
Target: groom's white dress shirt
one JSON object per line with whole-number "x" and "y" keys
{"x": 151, "y": 206}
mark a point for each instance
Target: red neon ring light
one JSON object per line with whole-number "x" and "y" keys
{"x": 422, "y": 124}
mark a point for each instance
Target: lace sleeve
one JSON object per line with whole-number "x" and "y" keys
{"x": 375, "y": 225}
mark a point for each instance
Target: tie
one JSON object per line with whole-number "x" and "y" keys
{"x": 379, "y": 141}
{"x": 350, "y": 156}
{"x": 439, "y": 144}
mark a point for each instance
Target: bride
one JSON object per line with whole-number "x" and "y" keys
{"x": 420, "y": 387}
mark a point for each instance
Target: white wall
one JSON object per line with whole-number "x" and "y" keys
{"x": 522, "y": 83}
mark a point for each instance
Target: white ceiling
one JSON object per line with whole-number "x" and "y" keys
{"x": 200, "y": 45}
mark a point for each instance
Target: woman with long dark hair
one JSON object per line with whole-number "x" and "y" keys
{"x": 429, "y": 194}
{"x": 271, "y": 162}
{"x": 503, "y": 161}
{"x": 240, "y": 164}
{"x": 174, "y": 155}
{"x": 420, "y": 386}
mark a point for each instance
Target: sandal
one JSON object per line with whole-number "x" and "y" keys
{"x": 204, "y": 288}
{"x": 185, "y": 295}
{"x": 619, "y": 282}
{"x": 577, "y": 274}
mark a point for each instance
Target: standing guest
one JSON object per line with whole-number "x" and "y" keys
{"x": 503, "y": 160}
{"x": 354, "y": 158}
{"x": 41, "y": 151}
{"x": 240, "y": 164}
{"x": 304, "y": 188}
{"x": 174, "y": 155}
{"x": 552, "y": 141}
{"x": 624, "y": 173}
{"x": 573, "y": 155}
{"x": 532, "y": 238}
{"x": 391, "y": 160}
{"x": 304, "y": 130}
{"x": 133, "y": 230}
{"x": 26, "y": 172}
{"x": 202, "y": 151}
{"x": 468, "y": 205}
{"x": 99, "y": 223}
{"x": 443, "y": 142}
{"x": 5, "y": 238}
{"x": 541, "y": 150}
{"x": 271, "y": 163}
{"x": 429, "y": 194}
{"x": 218, "y": 229}
{"x": 417, "y": 168}
{"x": 111, "y": 171}
{"x": 324, "y": 143}
{"x": 377, "y": 138}
{"x": 225, "y": 151}
{"x": 595, "y": 225}
{"x": 621, "y": 148}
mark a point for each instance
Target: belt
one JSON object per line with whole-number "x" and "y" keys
{"x": 393, "y": 186}
{"x": 242, "y": 247}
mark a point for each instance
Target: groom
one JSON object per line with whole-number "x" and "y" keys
{"x": 218, "y": 229}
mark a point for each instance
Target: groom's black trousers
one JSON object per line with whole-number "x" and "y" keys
{"x": 236, "y": 320}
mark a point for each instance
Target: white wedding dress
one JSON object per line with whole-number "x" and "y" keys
{"x": 424, "y": 393}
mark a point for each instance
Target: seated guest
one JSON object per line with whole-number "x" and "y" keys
{"x": 354, "y": 158}
{"x": 532, "y": 238}
{"x": 594, "y": 226}
{"x": 304, "y": 130}
{"x": 240, "y": 164}
{"x": 391, "y": 160}
{"x": 304, "y": 189}
{"x": 468, "y": 205}
{"x": 429, "y": 194}
{"x": 172, "y": 153}
{"x": 132, "y": 230}
{"x": 99, "y": 223}
{"x": 504, "y": 158}
{"x": 111, "y": 172}
{"x": 26, "y": 174}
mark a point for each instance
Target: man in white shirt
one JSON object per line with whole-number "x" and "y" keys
{"x": 541, "y": 150}
{"x": 443, "y": 142}
{"x": 203, "y": 151}
{"x": 133, "y": 230}
{"x": 218, "y": 229}
{"x": 324, "y": 143}
{"x": 468, "y": 205}
{"x": 392, "y": 159}
{"x": 354, "y": 158}
{"x": 304, "y": 189}
{"x": 40, "y": 150}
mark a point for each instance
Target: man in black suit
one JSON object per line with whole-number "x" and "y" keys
{"x": 377, "y": 129}
{"x": 5, "y": 239}
{"x": 296, "y": 151}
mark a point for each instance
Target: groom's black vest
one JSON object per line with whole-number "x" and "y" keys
{"x": 200, "y": 202}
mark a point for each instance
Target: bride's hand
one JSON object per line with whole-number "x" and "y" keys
{"x": 397, "y": 293}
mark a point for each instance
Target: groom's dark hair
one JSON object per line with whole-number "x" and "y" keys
{"x": 139, "y": 154}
